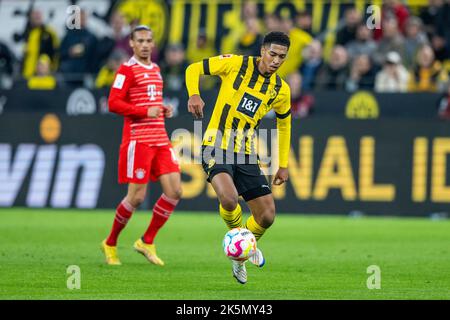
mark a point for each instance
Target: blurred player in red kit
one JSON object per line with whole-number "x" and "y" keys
{"x": 146, "y": 153}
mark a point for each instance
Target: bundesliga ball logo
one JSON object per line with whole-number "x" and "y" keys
{"x": 239, "y": 244}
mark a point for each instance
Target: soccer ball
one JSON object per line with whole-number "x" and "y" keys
{"x": 239, "y": 244}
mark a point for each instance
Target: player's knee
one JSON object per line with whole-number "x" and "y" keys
{"x": 175, "y": 194}
{"x": 136, "y": 199}
{"x": 267, "y": 217}
{"x": 229, "y": 202}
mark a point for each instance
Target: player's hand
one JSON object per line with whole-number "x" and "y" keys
{"x": 195, "y": 106}
{"x": 281, "y": 176}
{"x": 153, "y": 112}
{"x": 168, "y": 111}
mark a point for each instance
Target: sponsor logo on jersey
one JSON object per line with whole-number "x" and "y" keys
{"x": 249, "y": 105}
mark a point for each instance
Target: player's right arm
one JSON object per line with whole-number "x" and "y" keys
{"x": 118, "y": 102}
{"x": 219, "y": 65}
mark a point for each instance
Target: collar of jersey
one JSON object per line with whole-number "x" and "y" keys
{"x": 141, "y": 64}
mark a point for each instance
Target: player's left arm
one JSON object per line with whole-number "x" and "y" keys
{"x": 282, "y": 108}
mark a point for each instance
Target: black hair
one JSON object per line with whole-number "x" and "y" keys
{"x": 277, "y": 37}
{"x": 139, "y": 28}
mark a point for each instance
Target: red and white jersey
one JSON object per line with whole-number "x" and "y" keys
{"x": 136, "y": 88}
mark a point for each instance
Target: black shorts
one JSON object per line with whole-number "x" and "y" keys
{"x": 248, "y": 178}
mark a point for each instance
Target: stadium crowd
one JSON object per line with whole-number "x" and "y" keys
{"x": 409, "y": 53}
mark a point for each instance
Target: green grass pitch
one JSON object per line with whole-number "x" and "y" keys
{"x": 308, "y": 257}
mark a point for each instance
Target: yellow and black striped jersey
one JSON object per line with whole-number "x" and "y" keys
{"x": 244, "y": 98}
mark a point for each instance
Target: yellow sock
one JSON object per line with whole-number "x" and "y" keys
{"x": 254, "y": 227}
{"x": 233, "y": 219}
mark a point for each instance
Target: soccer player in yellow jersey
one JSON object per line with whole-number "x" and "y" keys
{"x": 250, "y": 89}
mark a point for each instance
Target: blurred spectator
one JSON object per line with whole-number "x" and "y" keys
{"x": 394, "y": 76}
{"x": 393, "y": 9}
{"x": 444, "y": 105}
{"x": 313, "y": 61}
{"x": 299, "y": 41}
{"x": 249, "y": 10}
{"x": 7, "y": 61}
{"x": 362, "y": 74}
{"x": 78, "y": 53}
{"x": 303, "y": 20}
{"x": 43, "y": 78}
{"x": 121, "y": 33}
{"x": 272, "y": 22}
{"x": 363, "y": 44}
{"x": 301, "y": 104}
{"x": 399, "y": 10}
{"x": 117, "y": 39}
{"x": 428, "y": 75}
{"x": 134, "y": 23}
{"x": 39, "y": 39}
{"x": 415, "y": 38}
{"x": 392, "y": 40}
{"x": 105, "y": 77}
{"x": 426, "y": 70}
{"x": 443, "y": 23}
{"x": 347, "y": 33}
{"x": 440, "y": 47}
{"x": 250, "y": 41}
{"x": 203, "y": 49}
{"x": 429, "y": 16}
{"x": 173, "y": 67}
{"x": 332, "y": 76}
{"x": 250, "y": 34}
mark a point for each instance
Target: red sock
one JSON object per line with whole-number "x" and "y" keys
{"x": 161, "y": 213}
{"x": 123, "y": 214}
